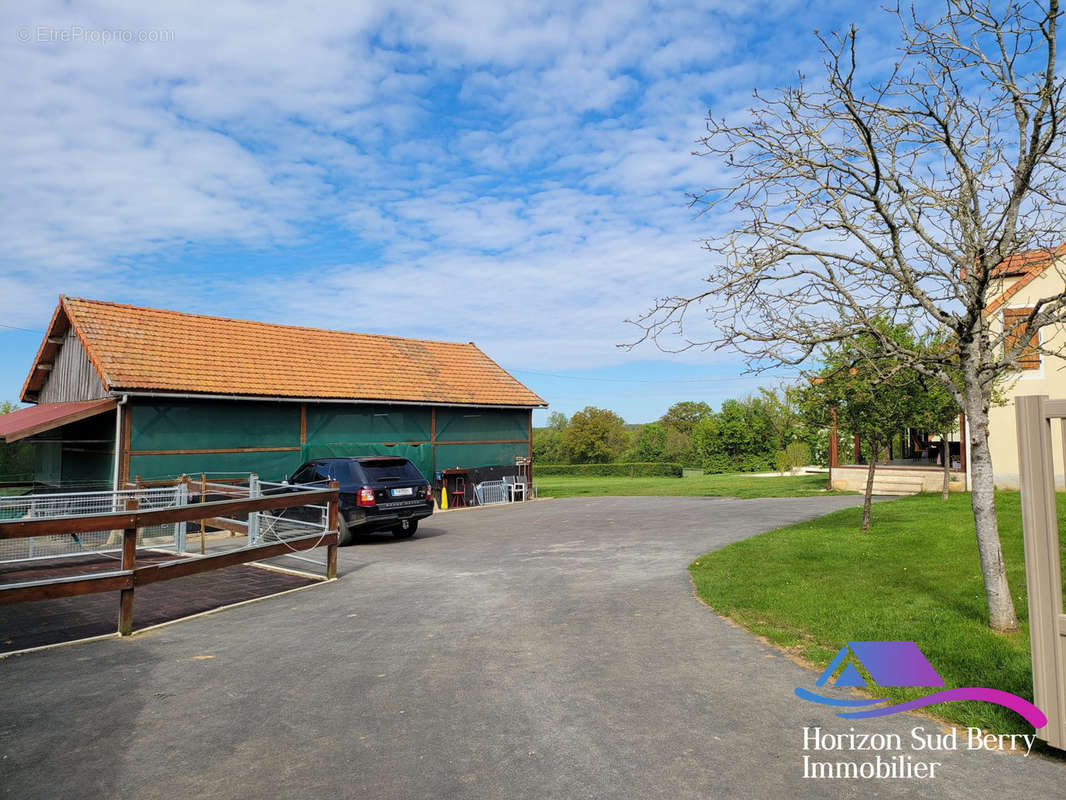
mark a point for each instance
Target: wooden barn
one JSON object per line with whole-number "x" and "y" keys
{"x": 121, "y": 392}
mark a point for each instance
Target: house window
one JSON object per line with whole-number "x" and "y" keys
{"x": 1014, "y": 325}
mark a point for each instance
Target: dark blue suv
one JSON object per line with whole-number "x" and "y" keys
{"x": 377, "y": 493}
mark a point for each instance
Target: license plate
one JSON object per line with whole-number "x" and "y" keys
{"x": 403, "y": 492}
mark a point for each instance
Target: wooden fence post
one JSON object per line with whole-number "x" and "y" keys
{"x": 129, "y": 562}
{"x": 331, "y": 550}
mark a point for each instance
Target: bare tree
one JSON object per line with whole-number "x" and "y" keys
{"x": 900, "y": 198}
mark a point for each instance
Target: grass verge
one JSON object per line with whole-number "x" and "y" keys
{"x": 730, "y": 485}
{"x": 811, "y": 587}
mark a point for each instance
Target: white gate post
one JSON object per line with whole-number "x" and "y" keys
{"x": 1043, "y": 572}
{"x": 253, "y": 516}
{"x": 181, "y": 528}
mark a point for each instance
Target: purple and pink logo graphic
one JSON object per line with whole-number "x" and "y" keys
{"x": 903, "y": 664}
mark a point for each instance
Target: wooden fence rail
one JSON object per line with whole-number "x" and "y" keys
{"x": 130, "y": 576}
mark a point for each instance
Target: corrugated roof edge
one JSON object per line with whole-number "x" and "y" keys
{"x": 294, "y": 399}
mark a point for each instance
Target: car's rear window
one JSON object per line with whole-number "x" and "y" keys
{"x": 383, "y": 469}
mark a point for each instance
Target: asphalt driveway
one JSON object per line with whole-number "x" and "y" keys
{"x": 554, "y": 650}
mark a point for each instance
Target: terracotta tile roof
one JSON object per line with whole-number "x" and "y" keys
{"x": 1026, "y": 262}
{"x": 37, "y": 419}
{"x": 147, "y": 349}
{"x": 1026, "y": 267}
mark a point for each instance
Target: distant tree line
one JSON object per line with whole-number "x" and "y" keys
{"x": 762, "y": 432}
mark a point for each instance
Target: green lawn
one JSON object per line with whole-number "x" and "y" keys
{"x": 732, "y": 485}
{"x": 811, "y": 587}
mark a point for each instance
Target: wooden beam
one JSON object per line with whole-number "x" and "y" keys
{"x": 226, "y": 524}
{"x": 331, "y": 560}
{"x": 303, "y": 424}
{"x": 53, "y": 588}
{"x": 489, "y": 441}
{"x": 45, "y": 367}
{"x": 55, "y": 340}
{"x": 19, "y": 529}
{"x": 433, "y": 441}
{"x": 124, "y": 448}
{"x": 153, "y": 573}
{"x": 212, "y": 452}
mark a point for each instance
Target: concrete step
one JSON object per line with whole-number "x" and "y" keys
{"x": 896, "y": 484}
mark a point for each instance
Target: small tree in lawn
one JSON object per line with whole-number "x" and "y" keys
{"x": 873, "y": 398}
{"x": 897, "y": 188}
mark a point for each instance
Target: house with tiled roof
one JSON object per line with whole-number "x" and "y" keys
{"x": 1019, "y": 283}
{"x": 121, "y": 392}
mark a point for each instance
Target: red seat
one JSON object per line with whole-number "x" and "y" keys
{"x": 458, "y": 494}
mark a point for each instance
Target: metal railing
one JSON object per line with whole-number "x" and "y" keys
{"x": 490, "y": 493}
{"x": 79, "y": 504}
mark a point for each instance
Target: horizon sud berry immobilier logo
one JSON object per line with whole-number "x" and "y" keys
{"x": 902, "y": 664}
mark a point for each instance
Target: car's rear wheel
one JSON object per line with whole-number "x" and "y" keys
{"x": 406, "y": 529}
{"x": 344, "y": 533}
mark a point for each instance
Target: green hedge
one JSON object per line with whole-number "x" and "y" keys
{"x": 626, "y": 469}
{"x": 742, "y": 462}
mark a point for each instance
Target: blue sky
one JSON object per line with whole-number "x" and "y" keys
{"x": 513, "y": 174}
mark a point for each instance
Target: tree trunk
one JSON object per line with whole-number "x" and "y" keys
{"x": 946, "y": 457}
{"x": 867, "y": 502}
{"x": 1001, "y": 616}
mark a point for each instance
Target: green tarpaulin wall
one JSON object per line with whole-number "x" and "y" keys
{"x": 421, "y": 455}
{"x": 465, "y": 437}
{"x": 271, "y": 466}
{"x": 329, "y": 423}
{"x": 479, "y": 425}
{"x": 190, "y": 425}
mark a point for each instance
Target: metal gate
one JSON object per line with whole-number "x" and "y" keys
{"x": 1043, "y": 570}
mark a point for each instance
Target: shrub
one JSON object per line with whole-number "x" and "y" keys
{"x": 798, "y": 454}
{"x": 624, "y": 469}
{"x": 741, "y": 462}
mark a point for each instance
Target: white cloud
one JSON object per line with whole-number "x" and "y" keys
{"x": 513, "y": 173}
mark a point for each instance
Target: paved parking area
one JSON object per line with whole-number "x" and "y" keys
{"x": 550, "y": 651}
